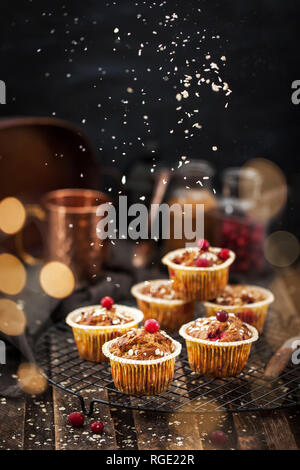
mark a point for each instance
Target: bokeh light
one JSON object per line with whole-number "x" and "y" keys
{"x": 274, "y": 190}
{"x": 12, "y": 318}
{"x": 12, "y": 274}
{"x": 57, "y": 280}
{"x": 12, "y": 215}
{"x": 31, "y": 379}
{"x": 281, "y": 248}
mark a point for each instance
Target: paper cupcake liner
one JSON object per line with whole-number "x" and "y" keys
{"x": 170, "y": 314}
{"x": 254, "y": 314}
{"x": 137, "y": 377}
{"x": 218, "y": 359}
{"x": 90, "y": 339}
{"x": 193, "y": 283}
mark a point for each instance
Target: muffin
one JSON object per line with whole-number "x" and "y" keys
{"x": 157, "y": 299}
{"x": 249, "y": 303}
{"x": 94, "y": 325}
{"x": 218, "y": 346}
{"x": 199, "y": 273}
{"x": 142, "y": 360}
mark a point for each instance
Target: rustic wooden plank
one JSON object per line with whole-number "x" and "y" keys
{"x": 12, "y": 418}
{"x": 293, "y": 417}
{"x": 39, "y": 422}
{"x": 277, "y": 431}
{"x": 208, "y": 423}
{"x": 170, "y": 431}
{"x": 68, "y": 438}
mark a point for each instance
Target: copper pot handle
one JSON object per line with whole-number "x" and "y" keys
{"x": 36, "y": 212}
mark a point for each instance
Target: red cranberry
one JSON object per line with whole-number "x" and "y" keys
{"x": 224, "y": 254}
{"x": 202, "y": 263}
{"x": 218, "y": 438}
{"x": 107, "y": 302}
{"x": 76, "y": 419}
{"x": 151, "y": 325}
{"x": 203, "y": 244}
{"x": 222, "y": 316}
{"x": 97, "y": 427}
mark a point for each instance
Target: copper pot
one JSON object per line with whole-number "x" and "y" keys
{"x": 69, "y": 221}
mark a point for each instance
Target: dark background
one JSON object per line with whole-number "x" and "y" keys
{"x": 44, "y": 41}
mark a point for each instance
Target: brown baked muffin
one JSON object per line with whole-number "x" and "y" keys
{"x": 94, "y": 325}
{"x": 218, "y": 346}
{"x": 199, "y": 273}
{"x": 157, "y": 299}
{"x": 142, "y": 361}
{"x": 249, "y": 303}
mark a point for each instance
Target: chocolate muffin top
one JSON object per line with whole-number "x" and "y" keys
{"x": 211, "y": 329}
{"x": 141, "y": 345}
{"x": 100, "y": 316}
{"x": 239, "y": 295}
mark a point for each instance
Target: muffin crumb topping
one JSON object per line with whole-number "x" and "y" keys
{"x": 239, "y": 295}
{"x": 193, "y": 257}
{"x": 100, "y": 316}
{"x": 213, "y": 330}
{"x": 164, "y": 290}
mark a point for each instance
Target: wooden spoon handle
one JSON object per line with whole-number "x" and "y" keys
{"x": 278, "y": 363}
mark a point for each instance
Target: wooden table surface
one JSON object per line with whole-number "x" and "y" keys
{"x": 40, "y": 422}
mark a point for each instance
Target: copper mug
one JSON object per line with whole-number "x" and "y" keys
{"x": 68, "y": 218}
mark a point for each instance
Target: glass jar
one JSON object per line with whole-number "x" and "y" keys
{"x": 191, "y": 184}
{"x": 235, "y": 222}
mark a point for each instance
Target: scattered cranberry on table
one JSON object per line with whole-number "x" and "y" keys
{"x": 76, "y": 419}
{"x": 202, "y": 263}
{"x": 107, "y": 302}
{"x": 218, "y": 438}
{"x": 203, "y": 244}
{"x": 97, "y": 427}
{"x": 151, "y": 325}
{"x": 222, "y": 316}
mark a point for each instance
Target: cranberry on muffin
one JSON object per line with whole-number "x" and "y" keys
{"x": 141, "y": 345}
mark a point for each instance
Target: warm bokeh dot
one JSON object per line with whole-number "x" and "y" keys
{"x": 281, "y": 248}
{"x": 12, "y": 274}
{"x": 12, "y": 318}
{"x": 31, "y": 379}
{"x": 12, "y": 215}
{"x": 57, "y": 280}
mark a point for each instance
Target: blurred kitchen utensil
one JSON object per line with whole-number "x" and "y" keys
{"x": 280, "y": 359}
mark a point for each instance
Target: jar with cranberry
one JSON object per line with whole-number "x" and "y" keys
{"x": 235, "y": 220}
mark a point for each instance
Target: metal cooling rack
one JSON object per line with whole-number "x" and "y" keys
{"x": 91, "y": 382}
